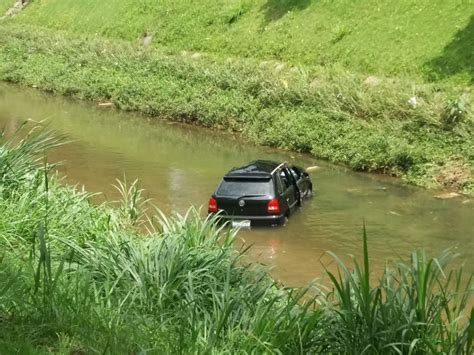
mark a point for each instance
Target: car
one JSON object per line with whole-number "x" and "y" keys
{"x": 260, "y": 192}
{"x": 303, "y": 181}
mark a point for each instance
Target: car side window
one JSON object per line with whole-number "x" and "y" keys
{"x": 279, "y": 184}
{"x": 285, "y": 179}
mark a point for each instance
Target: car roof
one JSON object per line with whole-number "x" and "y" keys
{"x": 254, "y": 169}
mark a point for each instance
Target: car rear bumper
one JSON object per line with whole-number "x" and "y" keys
{"x": 256, "y": 220}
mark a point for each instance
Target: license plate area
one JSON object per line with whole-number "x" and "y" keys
{"x": 243, "y": 224}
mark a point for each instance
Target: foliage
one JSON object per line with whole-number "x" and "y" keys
{"x": 5, "y": 5}
{"x": 19, "y": 162}
{"x": 335, "y": 115}
{"x": 412, "y": 38}
{"x": 456, "y": 112}
{"x": 415, "y": 308}
{"x": 78, "y": 278}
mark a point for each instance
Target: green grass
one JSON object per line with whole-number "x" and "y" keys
{"x": 411, "y": 311}
{"x": 5, "y": 5}
{"x": 295, "y": 74}
{"x": 79, "y": 277}
{"x": 336, "y": 116}
{"x": 82, "y": 278}
{"x": 408, "y": 38}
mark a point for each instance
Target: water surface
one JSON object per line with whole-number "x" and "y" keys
{"x": 180, "y": 165}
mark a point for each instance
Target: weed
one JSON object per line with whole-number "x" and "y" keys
{"x": 80, "y": 277}
{"x": 456, "y": 112}
{"x": 339, "y": 32}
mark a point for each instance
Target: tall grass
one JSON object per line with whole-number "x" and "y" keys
{"x": 416, "y": 308}
{"x": 19, "y": 155}
{"x": 78, "y": 277}
{"x": 133, "y": 206}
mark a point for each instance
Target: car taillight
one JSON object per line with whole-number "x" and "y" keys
{"x": 212, "y": 205}
{"x": 273, "y": 207}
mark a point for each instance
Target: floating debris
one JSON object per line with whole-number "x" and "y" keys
{"x": 447, "y": 195}
{"x": 105, "y": 104}
{"x": 312, "y": 168}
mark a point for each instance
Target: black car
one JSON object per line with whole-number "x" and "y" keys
{"x": 303, "y": 181}
{"x": 260, "y": 192}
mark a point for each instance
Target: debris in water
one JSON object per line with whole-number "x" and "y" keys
{"x": 312, "y": 168}
{"x": 105, "y": 104}
{"x": 447, "y": 195}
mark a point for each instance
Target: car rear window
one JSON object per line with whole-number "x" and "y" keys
{"x": 244, "y": 187}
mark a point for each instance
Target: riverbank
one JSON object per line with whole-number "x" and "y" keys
{"x": 82, "y": 278}
{"x": 418, "y": 131}
{"x": 413, "y": 39}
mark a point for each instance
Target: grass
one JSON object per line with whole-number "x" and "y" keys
{"x": 376, "y": 85}
{"x": 79, "y": 277}
{"x": 330, "y": 113}
{"x": 414, "y": 310}
{"x": 5, "y": 5}
{"x": 405, "y": 38}
{"x": 82, "y": 278}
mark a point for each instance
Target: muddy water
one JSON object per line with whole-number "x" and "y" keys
{"x": 180, "y": 165}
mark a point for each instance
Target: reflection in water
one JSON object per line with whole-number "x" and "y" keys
{"x": 180, "y": 166}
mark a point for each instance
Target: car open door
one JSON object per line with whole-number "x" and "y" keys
{"x": 290, "y": 190}
{"x": 302, "y": 181}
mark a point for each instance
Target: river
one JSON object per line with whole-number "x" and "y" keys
{"x": 180, "y": 165}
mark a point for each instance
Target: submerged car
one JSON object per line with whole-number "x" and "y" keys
{"x": 261, "y": 192}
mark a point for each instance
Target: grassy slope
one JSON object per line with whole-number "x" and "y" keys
{"x": 4, "y": 6}
{"x": 340, "y": 119}
{"x": 327, "y": 109}
{"x": 371, "y": 36}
